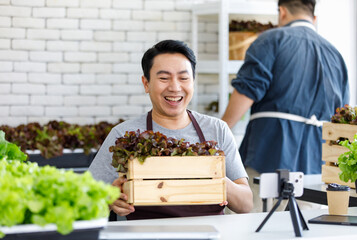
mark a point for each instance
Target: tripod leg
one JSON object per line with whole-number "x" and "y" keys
{"x": 304, "y": 224}
{"x": 295, "y": 217}
{"x": 269, "y": 215}
{"x": 265, "y": 204}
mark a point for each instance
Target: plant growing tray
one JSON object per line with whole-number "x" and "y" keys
{"x": 70, "y": 159}
{"x": 82, "y": 230}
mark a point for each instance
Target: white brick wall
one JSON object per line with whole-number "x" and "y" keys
{"x": 5, "y": 21}
{"x": 82, "y": 13}
{"x": 46, "y": 100}
{"x": 80, "y": 60}
{"x": 79, "y": 100}
{"x": 5, "y": 66}
{"x": 46, "y": 78}
{"x": 28, "y": 22}
{"x": 12, "y": 77}
{"x": 24, "y": 44}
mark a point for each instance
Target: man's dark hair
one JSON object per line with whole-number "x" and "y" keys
{"x": 299, "y": 6}
{"x": 166, "y": 46}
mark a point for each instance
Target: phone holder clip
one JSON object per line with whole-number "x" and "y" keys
{"x": 286, "y": 191}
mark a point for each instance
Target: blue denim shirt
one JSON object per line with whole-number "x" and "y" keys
{"x": 290, "y": 70}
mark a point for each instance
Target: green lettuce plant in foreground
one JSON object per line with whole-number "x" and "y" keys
{"x": 10, "y": 151}
{"x": 347, "y": 162}
{"x": 42, "y": 195}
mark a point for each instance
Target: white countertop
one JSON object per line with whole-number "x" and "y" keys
{"x": 243, "y": 226}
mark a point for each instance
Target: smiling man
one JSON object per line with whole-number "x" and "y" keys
{"x": 169, "y": 70}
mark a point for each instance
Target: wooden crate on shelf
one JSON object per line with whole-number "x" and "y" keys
{"x": 239, "y": 43}
{"x": 331, "y": 152}
{"x": 176, "y": 181}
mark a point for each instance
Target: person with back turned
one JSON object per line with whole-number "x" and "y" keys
{"x": 292, "y": 79}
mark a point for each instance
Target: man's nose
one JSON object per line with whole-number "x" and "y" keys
{"x": 175, "y": 85}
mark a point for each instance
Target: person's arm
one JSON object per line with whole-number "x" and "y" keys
{"x": 238, "y": 105}
{"x": 239, "y": 195}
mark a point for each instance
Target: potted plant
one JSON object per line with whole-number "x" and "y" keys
{"x": 347, "y": 162}
{"x": 45, "y": 202}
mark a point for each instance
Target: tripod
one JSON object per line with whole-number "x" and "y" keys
{"x": 286, "y": 191}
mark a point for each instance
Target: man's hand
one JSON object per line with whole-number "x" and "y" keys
{"x": 120, "y": 206}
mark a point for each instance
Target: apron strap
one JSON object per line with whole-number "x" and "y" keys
{"x": 197, "y": 127}
{"x": 288, "y": 116}
{"x": 149, "y": 121}
{"x": 193, "y": 119}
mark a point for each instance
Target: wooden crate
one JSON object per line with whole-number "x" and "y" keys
{"x": 239, "y": 43}
{"x": 330, "y": 153}
{"x": 176, "y": 181}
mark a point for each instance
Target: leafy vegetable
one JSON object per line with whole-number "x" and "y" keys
{"x": 142, "y": 145}
{"x": 43, "y": 195}
{"x": 346, "y": 114}
{"x": 10, "y": 151}
{"x": 249, "y": 26}
{"x": 347, "y": 162}
{"x": 53, "y": 137}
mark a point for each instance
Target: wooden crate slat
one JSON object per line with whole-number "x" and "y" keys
{"x": 177, "y": 167}
{"x": 333, "y": 131}
{"x": 176, "y": 192}
{"x": 330, "y": 175}
{"x": 127, "y": 189}
{"x": 330, "y": 153}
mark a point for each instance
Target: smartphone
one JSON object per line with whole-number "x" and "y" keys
{"x": 268, "y": 184}
{"x": 335, "y": 219}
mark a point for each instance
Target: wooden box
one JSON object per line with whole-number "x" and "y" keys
{"x": 176, "y": 180}
{"x": 331, "y": 152}
{"x": 239, "y": 43}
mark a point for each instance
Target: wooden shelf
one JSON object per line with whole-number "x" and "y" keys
{"x": 223, "y": 10}
{"x": 237, "y": 7}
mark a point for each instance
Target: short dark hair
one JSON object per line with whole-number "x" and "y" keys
{"x": 298, "y": 6}
{"x": 166, "y": 46}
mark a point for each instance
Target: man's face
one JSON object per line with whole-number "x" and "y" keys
{"x": 171, "y": 84}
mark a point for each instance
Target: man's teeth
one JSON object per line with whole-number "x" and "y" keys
{"x": 173, "y": 99}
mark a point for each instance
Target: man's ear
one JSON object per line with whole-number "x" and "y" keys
{"x": 314, "y": 20}
{"x": 282, "y": 14}
{"x": 145, "y": 83}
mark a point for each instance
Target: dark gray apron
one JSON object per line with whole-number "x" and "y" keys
{"x": 149, "y": 212}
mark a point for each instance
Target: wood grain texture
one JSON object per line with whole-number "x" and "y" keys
{"x": 330, "y": 175}
{"x": 176, "y": 192}
{"x": 330, "y": 153}
{"x": 333, "y": 131}
{"x": 177, "y": 167}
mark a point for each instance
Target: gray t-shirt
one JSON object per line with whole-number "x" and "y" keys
{"x": 213, "y": 129}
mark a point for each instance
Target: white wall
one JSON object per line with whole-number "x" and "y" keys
{"x": 337, "y": 22}
{"x": 79, "y": 60}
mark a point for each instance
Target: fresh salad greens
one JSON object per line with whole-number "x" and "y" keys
{"x": 10, "y": 151}
{"x": 148, "y": 143}
{"x": 54, "y": 136}
{"x": 346, "y": 114}
{"x": 43, "y": 195}
{"x": 347, "y": 162}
